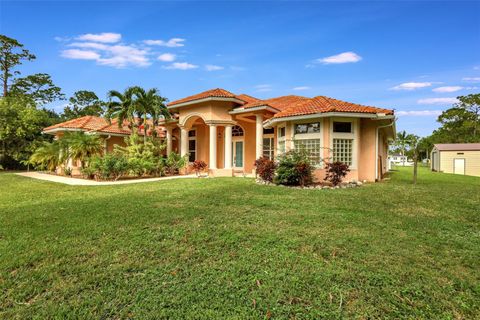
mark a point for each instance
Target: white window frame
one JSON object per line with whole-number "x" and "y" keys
{"x": 354, "y": 135}
{"x": 272, "y": 145}
{"x": 281, "y": 139}
{"x": 196, "y": 143}
{"x": 309, "y": 136}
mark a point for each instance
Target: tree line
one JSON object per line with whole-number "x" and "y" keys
{"x": 23, "y": 112}
{"x": 458, "y": 124}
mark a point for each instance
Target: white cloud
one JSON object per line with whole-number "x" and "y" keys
{"x": 181, "y": 66}
{"x": 447, "y": 89}
{"x": 89, "y": 45}
{"x": 438, "y": 101}
{"x": 212, "y": 67}
{"x": 302, "y": 88}
{"x": 411, "y": 86}
{"x": 105, "y": 37}
{"x": 471, "y": 79}
{"x": 113, "y": 55}
{"x": 172, "y": 43}
{"x": 344, "y": 57}
{"x": 80, "y": 54}
{"x": 263, "y": 88}
{"x": 167, "y": 57}
{"x": 419, "y": 113}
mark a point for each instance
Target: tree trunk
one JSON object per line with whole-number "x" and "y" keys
{"x": 145, "y": 128}
{"x": 415, "y": 164}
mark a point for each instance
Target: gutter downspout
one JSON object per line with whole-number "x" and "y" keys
{"x": 376, "y": 146}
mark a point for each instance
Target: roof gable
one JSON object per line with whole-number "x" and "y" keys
{"x": 213, "y": 93}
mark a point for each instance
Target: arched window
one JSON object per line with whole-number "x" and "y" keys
{"x": 237, "y": 131}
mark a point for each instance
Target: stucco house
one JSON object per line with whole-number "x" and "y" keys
{"x": 230, "y": 131}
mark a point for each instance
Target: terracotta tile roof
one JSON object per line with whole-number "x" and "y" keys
{"x": 213, "y": 93}
{"x": 323, "y": 104}
{"x": 101, "y": 125}
{"x": 246, "y": 98}
{"x": 279, "y": 103}
{"x": 458, "y": 146}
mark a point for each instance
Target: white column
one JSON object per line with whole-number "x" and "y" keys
{"x": 228, "y": 147}
{"x": 259, "y": 136}
{"x": 213, "y": 147}
{"x": 169, "y": 140}
{"x": 183, "y": 141}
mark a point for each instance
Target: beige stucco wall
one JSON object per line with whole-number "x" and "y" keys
{"x": 472, "y": 161}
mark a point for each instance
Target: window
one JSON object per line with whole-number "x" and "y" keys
{"x": 313, "y": 127}
{"x": 237, "y": 131}
{"x": 192, "y": 145}
{"x": 312, "y": 147}
{"x": 345, "y": 127}
{"x": 268, "y": 131}
{"x": 281, "y": 140}
{"x": 343, "y": 150}
{"x": 281, "y": 146}
{"x": 268, "y": 147}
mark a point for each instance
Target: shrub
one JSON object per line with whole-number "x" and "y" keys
{"x": 294, "y": 169}
{"x": 68, "y": 171}
{"x": 108, "y": 167}
{"x": 144, "y": 157}
{"x": 175, "y": 162}
{"x": 199, "y": 166}
{"x": 336, "y": 171}
{"x": 88, "y": 172}
{"x": 265, "y": 168}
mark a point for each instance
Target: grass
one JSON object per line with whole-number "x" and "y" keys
{"x": 228, "y": 248}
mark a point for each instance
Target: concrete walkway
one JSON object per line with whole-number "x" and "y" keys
{"x": 84, "y": 182}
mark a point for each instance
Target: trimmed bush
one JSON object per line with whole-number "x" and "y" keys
{"x": 175, "y": 162}
{"x": 265, "y": 168}
{"x": 108, "y": 167}
{"x": 294, "y": 169}
{"x": 336, "y": 171}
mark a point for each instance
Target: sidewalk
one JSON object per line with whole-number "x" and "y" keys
{"x": 84, "y": 182}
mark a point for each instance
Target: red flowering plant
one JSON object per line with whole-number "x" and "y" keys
{"x": 336, "y": 171}
{"x": 265, "y": 168}
{"x": 199, "y": 166}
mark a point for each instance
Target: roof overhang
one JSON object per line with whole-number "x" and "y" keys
{"x": 375, "y": 116}
{"x": 55, "y": 130}
{"x": 253, "y": 109}
{"x": 189, "y": 103}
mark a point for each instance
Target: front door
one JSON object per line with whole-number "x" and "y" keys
{"x": 237, "y": 150}
{"x": 459, "y": 166}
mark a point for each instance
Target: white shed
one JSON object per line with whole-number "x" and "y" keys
{"x": 458, "y": 158}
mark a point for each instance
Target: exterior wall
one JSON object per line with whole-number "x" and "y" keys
{"x": 364, "y": 155}
{"x": 472, "y": 161}
{"x": 115, "y": 140}
{"x": 435, "y": 156}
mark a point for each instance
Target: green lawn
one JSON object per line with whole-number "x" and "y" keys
{"x": 228, "y": 248}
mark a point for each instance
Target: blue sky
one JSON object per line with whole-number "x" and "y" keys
{"x": 415, "y": 57}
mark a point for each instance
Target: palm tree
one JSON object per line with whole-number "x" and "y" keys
{"x": 402, "y": 141}
{"x": 123, "y": 108}
{"x": 48, "y": 155}
{"x": 150, "y": 103}
{"x": 82, "y": 146}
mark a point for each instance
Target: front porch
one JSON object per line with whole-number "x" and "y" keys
{"x": 229, "y": 146}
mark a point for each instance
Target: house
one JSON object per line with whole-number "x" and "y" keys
{"x": 111, "y": 133}
{"x": 230, "y": 131}
{"x": 458, "y": 158}
{"x": 399, "y": 160}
